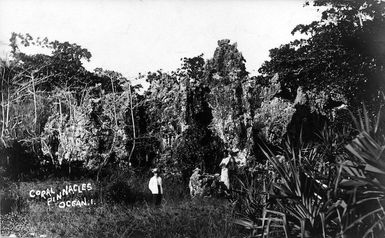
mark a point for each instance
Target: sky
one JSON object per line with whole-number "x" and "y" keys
{"x": 137, "y": 36}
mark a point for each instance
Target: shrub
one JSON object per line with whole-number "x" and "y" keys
{"x": 364, "y": 180}
{"x": 120, "y": 191}
{"x": 250, "y": 189}
{"x": 11, "y": 198}
{"x": 123, "y": 186}
{"x": 319, "y": 198}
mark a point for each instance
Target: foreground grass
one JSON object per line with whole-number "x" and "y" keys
{"x": 189, "y": 218}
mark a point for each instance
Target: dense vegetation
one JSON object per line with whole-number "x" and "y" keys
{"x": 309, "y": 131}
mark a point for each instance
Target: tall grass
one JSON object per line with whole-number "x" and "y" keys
{"x": 123, "y": 209}
{"x": 191, "y": 218}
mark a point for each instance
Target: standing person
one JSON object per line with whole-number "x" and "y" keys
{"x": 225, "y": 166}
{"x": 155, "y": 185}
{"x": 195, "y": 184}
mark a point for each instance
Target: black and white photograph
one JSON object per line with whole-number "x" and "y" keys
{"x": 192, "y": 118}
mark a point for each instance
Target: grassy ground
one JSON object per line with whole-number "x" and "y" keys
{"x": 185, "y": 218}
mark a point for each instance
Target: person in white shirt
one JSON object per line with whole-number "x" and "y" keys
{"x": 225, "y": 165}
{"x": 155, "y": 185}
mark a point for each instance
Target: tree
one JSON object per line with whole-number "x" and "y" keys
{"x": 64, "y": 60}
{"x": 63, "y": 111}
{"x": 342, "y": 62}
{"x": 24, "y": 107}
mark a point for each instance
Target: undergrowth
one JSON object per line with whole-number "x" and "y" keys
{"x": 190, "y": 218}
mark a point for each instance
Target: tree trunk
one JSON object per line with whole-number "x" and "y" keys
{"x": 34, "y": 99}
{"x": 113, "y": 93}
{"x": 8, "y": 102}
{"x": 133, "y": 126}
{"x": 2, "y": 105}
